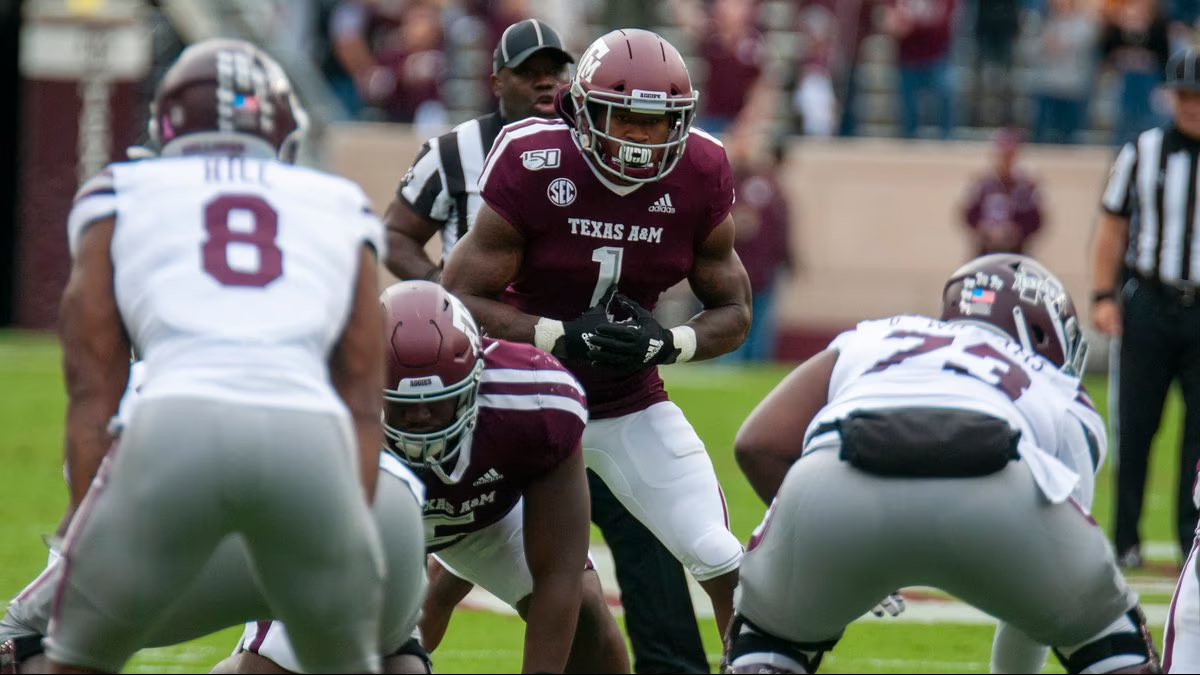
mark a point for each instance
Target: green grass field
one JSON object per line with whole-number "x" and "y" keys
{"x": 716, "y": 399}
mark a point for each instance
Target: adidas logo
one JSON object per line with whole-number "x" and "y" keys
{"x": 490, "y": 477}
{"x": 663, "y": 205}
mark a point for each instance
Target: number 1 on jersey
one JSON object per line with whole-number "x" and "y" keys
{"x": 609, "y": 258}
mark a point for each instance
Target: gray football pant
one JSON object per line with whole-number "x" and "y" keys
{"x": 226, "y": 585}
{"x": 188, "y": 473}
{"x": 839, "y": 539}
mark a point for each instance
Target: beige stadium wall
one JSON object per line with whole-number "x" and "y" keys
{"x": 877, "y": 225}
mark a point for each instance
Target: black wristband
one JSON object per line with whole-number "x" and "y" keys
{"x": 1100, "y": 296}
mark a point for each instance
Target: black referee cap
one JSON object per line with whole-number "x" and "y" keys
{"x": 524, "y": 39}
{"x": 1183, "y": 70}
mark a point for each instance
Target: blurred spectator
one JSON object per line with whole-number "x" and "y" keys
{"x": 997, "y": 25}
{"x": 357, "y": 30}
{"x": 731, "y": 47}
{"x": 856, "y": 20}
{"x": 1062, "y": 72}
{"x": 1185, "y": 19}
{"x": 614, "y": 14}
{"x": 392, "y": 53}
{"x": 763, "y": 220}
{"x": 416, "y": 64}
{"x": 814, "y": 98}
{"x": 1136, "y": 44}
{"x": 922, "y": 29}
{"x": 1003, "y": 209}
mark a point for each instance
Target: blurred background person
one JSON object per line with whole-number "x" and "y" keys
{"x": 1184, "y": 16}
{"x": 392, "y": 51}
{"x": 733, "y": 59}
{"x": 1135, "y": 43}
{"x": 1062, "y": 71}
{"x": 924, "y": 31}
{"x": 358, "y": 29}
{"x": 814, "y": 99}
{"x": 763, "y": 219}
{"x": 997, "y": 26}
{"x": 857, "y": 20}
{"x": 1003, "y": 208}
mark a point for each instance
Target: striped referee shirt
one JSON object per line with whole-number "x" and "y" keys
{"x": 1153, "y": 183}
{"x": 443, "y": 182}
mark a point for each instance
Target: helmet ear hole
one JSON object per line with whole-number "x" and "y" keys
{"x": 1039, "y": 336}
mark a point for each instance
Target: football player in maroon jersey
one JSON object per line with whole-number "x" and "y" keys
{"x": 586, "y": 220}
{"x": 492, "y": 429}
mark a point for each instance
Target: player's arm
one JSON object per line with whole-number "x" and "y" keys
{"x": 479, "y": 269}
{"x": 772, "y": 437}
{"x": 1108, "y": 249}
{"x": 407, "y": 234}
{"x": 720, "y": 282}
{"x": 356, "y": 368}
{"x": 557, "y": 516}
{"x": 96, "y": 353}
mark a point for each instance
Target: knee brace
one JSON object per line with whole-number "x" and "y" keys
{"x": 753, "y": 650}
{"x": 1125, "y": 646}
{"x": 16, "y": 651}
{"x": 413, "y": 648}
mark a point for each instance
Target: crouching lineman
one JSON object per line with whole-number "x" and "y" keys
{"x": 958, "y": 453}
{"x": 228, "y": 574}
{"x": 493, "y": 429}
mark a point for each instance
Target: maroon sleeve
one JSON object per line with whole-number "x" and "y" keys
{"x": 564, "y": 435}
{"x": 498, "y": 184}
{"x": 722, "y": 193}
{"x": 565, "y": 411}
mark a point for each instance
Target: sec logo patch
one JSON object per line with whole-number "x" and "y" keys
{"x": 561, "y": 191}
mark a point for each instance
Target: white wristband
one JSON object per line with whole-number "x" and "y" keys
{"x": 685, "y": 342}
{"x": 546, "y": 333}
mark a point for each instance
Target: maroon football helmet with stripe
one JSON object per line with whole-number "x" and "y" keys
{"x": 1024, "y": 300}
{"x": 434, "y": 356}
{"x": 227, "y": 97}
{"x": 639, "y": 71}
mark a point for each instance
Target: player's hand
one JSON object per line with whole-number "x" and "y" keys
{"x": 1106, "y": 317}
{"x": 636, "y": 342}
{"x": 579, "y": 335}
{"x": 892, "y": 605}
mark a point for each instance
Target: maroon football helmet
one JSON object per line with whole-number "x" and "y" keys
{"x": 228, "y": 97}
{"x": 1024, "y": 300}
{"x": 434, "y": 353}
{"x": 639, "y": 71}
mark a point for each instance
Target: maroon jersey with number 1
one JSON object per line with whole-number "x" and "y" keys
{"x": 583, "y": 233}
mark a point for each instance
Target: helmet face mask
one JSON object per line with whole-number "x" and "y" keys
{"x": 1019, "y": 297}
{"x": 435, "y": 361}
{"x": 638, "y": 72}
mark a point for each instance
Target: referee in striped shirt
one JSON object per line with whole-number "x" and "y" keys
{"x": 1146, "y": 281}
{"x": 440, "y": 192}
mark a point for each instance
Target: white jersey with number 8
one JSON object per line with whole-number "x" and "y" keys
{"x": 232, "y": 266}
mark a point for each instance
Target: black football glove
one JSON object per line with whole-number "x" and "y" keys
{"x": 635, "y": 343}
{"x": 579, "y": 334}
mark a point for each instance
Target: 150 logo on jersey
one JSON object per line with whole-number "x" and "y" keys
{"x": 536, "y": 160}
